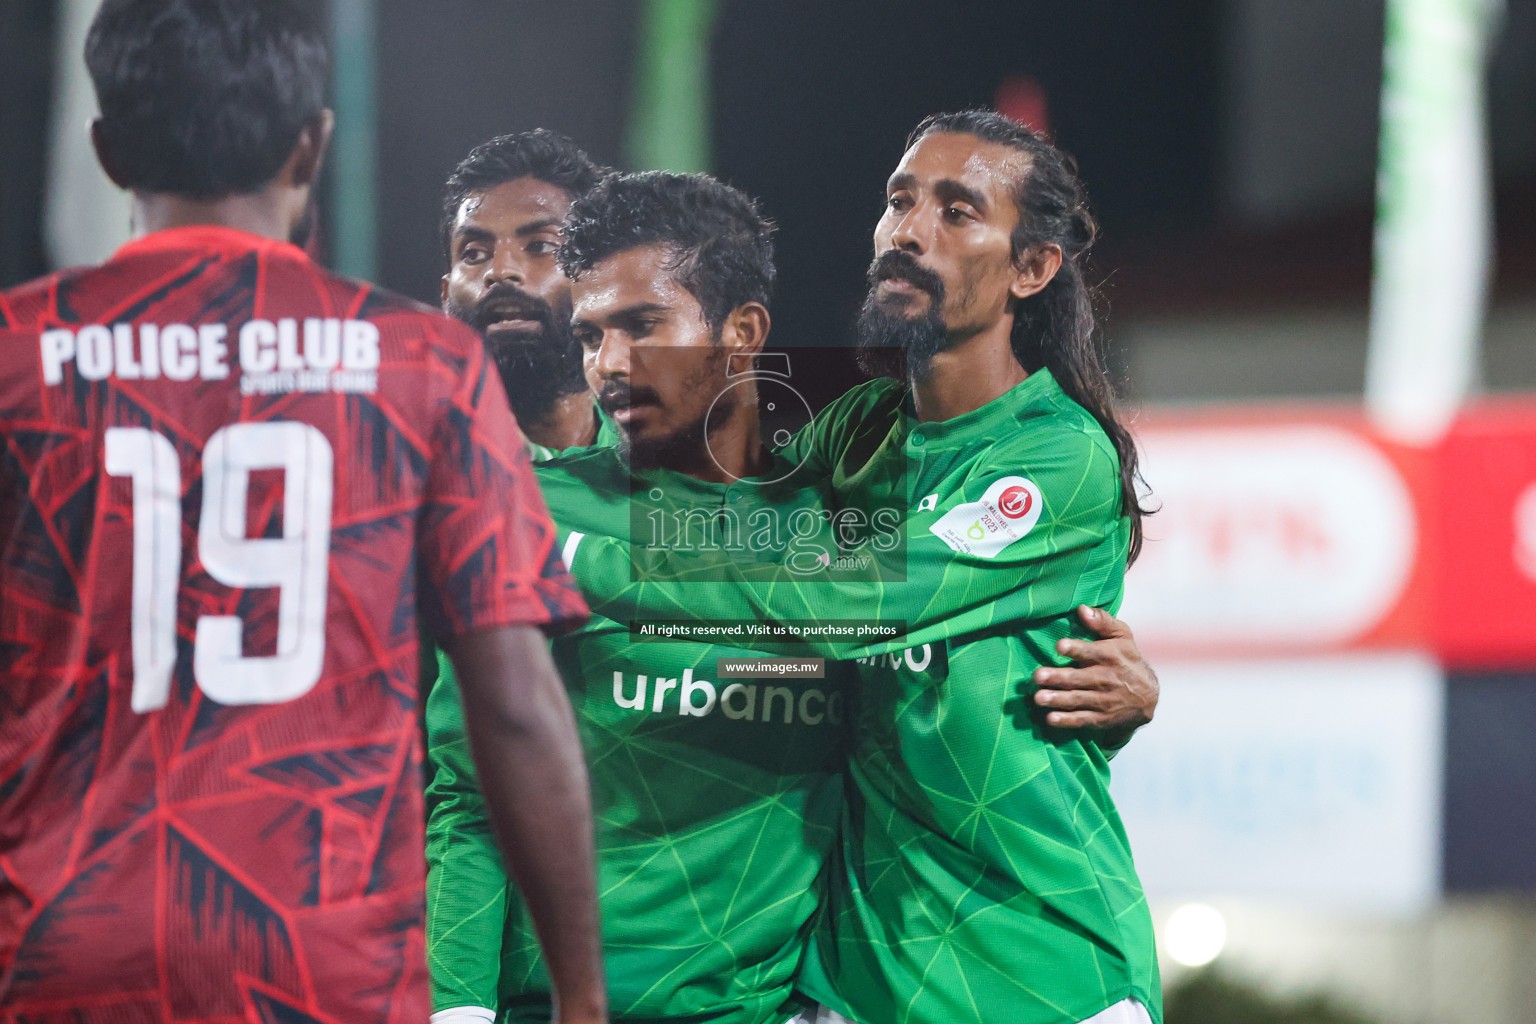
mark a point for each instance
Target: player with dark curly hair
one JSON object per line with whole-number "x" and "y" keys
{"x": 983, "y": 870}
{"x": 502, "y": 209}
{"x": 668, "y": 388}
{"x": 716, "y": 802}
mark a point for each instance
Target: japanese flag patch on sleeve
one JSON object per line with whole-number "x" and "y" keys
{"x": 1006, "y": 512}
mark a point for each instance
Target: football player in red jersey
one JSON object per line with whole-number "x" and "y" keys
{"x": 229, "y": 481}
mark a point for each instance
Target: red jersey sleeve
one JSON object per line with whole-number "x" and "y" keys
{"x": 488, "y": 551}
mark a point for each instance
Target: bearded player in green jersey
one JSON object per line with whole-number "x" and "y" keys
{"x": 717, "y": 802}
{"x": 502, "y": 211}
{"x": 987, "y": 876}
{"x": 984, "y": 874}
{"x": 767, "y": 865}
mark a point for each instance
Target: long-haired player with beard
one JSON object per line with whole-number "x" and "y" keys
{"x": 984, "y": 874}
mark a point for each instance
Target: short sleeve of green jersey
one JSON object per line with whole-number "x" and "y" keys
{"x": 1009, "y": 539}
{"x": 466, "y": 881}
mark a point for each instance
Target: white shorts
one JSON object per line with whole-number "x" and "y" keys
{"x": 1127, "y": 1011}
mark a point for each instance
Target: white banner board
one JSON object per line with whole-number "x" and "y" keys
{"x": 1315, "y": 782}
{"x": 1290, "y": 538}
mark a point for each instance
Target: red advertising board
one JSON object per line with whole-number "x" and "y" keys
{"x": 1298, "y": 530}
{"x": 1484, "y": 612}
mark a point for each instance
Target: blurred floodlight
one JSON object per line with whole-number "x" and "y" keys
{"x": 1433, "y": 216}
{"x": 1195, "y": 934}
{"x": 1024, "y": 99}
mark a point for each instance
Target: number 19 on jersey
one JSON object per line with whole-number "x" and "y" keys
{"x": 297, "y": 563}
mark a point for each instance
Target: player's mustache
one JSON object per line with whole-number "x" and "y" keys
{"x": 508, "y": 301}
{"x": 621, "y": 395}
{"x": 894, "y": 264}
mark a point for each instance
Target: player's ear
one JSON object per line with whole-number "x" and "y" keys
{"x": 746, "y": 328}
{"x": 104, "y": 155}
{"x": 442, "y": 298}
{"x": 309, "y": 152}
{"x": 1035, "y": 269}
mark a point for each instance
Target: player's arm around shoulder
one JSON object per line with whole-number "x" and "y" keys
{"x": 1109, "y": 687}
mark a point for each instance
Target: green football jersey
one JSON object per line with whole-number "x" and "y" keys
{"x": 716, "y": 801}
{"x": 984, "y": 869}
{"x": 607, "y": 436}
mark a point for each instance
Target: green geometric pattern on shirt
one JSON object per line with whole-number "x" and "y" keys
{"x": 984, "y": 868}
{"x": 712, "y": 826}
{"x": 467, "y": 883}
{"x": 926, "y": 475}
{"x": 711, "y": 834}
{"x": 984, "y": 864}
{"x": 466, "y": 879}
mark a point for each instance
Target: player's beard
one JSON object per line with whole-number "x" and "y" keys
{"x": 892, "y": 342}
{"x": 687, "y": 447}
{"x": 537, "y": 369}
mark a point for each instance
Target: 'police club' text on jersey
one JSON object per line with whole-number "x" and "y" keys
{"x": 229, "y": 481}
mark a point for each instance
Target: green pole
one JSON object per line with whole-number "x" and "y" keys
{"x": 354, "y": 146}
{"x": 669, "y": 123}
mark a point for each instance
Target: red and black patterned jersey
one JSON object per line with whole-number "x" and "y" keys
{"x": 229, "y": 482}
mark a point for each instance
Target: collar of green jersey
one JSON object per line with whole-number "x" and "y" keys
{"x": 607, "y": 431}
{"x": 1000, "y": 415}
{"x": 778, "y": 476}
{"x": 607, "y": 436}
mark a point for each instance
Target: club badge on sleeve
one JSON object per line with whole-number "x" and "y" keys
{"x": 1006, "y": 512}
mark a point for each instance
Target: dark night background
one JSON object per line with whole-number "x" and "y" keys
{"x": 1228, "y": 147}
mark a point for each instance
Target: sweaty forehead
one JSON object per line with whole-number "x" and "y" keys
{"x": 633, "y": 277}
{"x": 988, "y": 167}
{"x": 513, "y": 204}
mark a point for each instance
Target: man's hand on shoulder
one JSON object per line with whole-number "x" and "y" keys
{"x": 1109, "y": 685}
